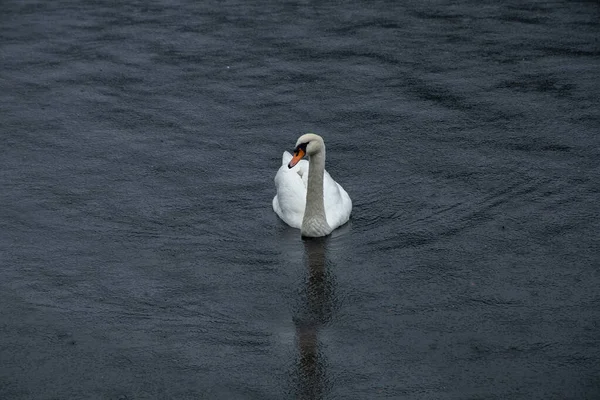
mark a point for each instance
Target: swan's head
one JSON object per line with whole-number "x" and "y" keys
{"x": 308, "y": 144}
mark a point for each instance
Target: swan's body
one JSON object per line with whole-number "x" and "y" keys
{"x": 307, "y": 197}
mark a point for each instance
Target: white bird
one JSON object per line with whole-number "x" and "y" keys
{"x": 307, "y": 196}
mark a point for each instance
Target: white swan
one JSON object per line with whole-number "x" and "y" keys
{"x": 307, "y": 197}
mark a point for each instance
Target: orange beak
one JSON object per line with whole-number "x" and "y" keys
{"x": 298, "y": 155}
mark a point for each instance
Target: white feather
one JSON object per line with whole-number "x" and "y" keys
{"x": 290, "y": 202}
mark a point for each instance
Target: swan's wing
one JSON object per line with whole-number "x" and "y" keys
{"x": 338, "y": 204}
{"x": 290, "y": 201}
{"x": 286, "y": 158}
{"x": 301, "y": 168}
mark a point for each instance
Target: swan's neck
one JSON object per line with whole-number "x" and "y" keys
{"x": 314, "y": 222}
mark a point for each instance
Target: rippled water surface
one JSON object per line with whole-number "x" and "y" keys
{"x": 140, "y": 256}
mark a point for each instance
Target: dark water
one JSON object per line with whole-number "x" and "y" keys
{"x": 140, "y": 257}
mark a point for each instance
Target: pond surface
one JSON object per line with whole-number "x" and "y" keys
{"x": 140, "y": 255}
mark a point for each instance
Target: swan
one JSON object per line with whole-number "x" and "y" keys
{"x": 307, "y": 196}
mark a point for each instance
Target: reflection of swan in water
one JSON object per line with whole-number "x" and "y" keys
{"x": 307, "y": 197}
{"x": 311, "y": 368}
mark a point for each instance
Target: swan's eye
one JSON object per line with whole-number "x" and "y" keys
{"x": 301, "y": 146}
{"x": 299, "y": 153}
